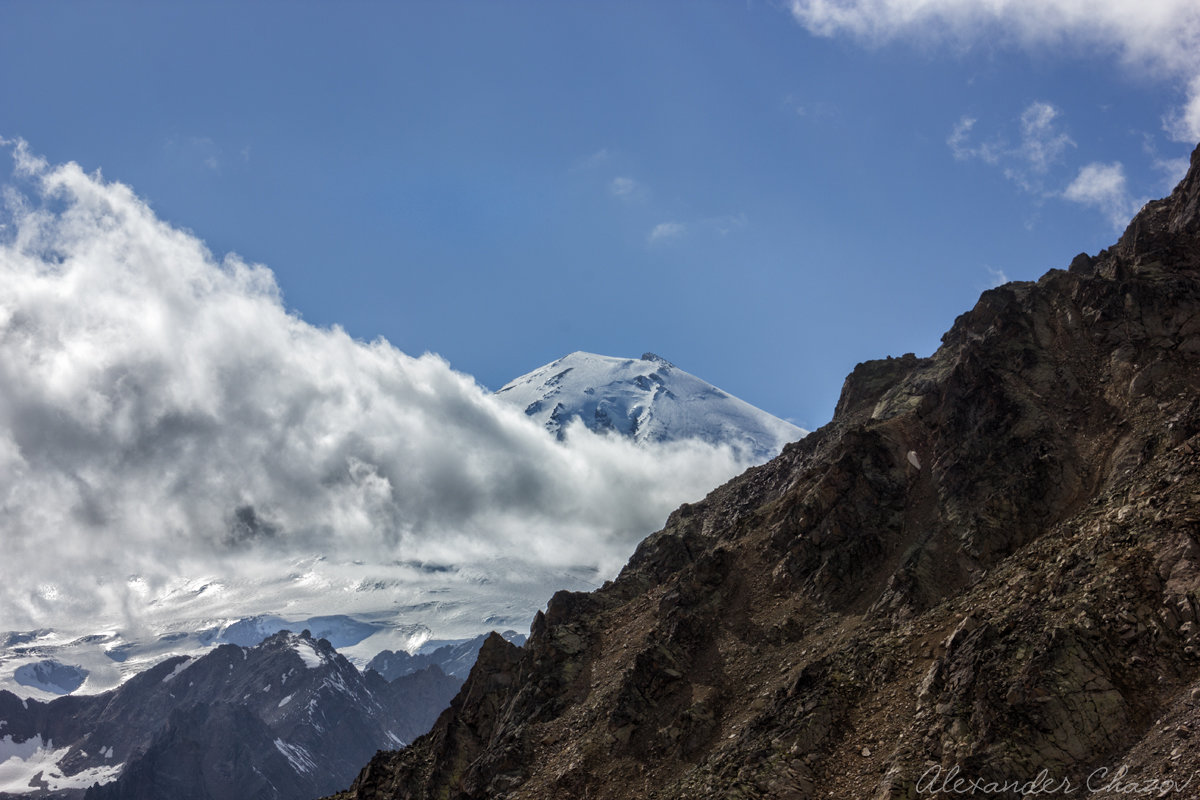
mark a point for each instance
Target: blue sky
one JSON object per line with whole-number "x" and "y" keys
{"x": 763, "y": 193}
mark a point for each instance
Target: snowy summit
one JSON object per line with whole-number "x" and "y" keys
{"x": 647, "y": 399}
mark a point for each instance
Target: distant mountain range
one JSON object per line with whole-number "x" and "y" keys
{"x": 277, "y": 720}
{"x": 647, "y": 399}
{"x": 42, "y": 664}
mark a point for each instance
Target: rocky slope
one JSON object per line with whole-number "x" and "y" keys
{"x": 987, "y": 563}
{"x": 279, "y": 720}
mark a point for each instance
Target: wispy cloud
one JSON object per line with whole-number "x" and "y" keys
{"x": 1161, "y": 38}
{"x": 666, "y": 231}
{"x": 627, "y": 189}
{"x": 957, "y": 140}
{"x": 1183, "y": 123}
{"x": 729, "y": 223}
{"x": 164, "y": 415}
{"x": 195, "y": 150}
{"x": 623, "y": 187}
{"x": 592, "y": 161}
{"x": 813, "y": 109}
{"x": 1171, "y": 169}
{"x": 1103, "y": 186}
{"x": 1040, "y": 144}
{"x": 998, "y": 277}
{"x": 723, "y": 225}
{"x": 963, "y": 148}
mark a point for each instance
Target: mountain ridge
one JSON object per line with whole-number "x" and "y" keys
{"x": 280, "y": 719}
{"x": 986, "y": 565}
{"x": 453, "y": 658}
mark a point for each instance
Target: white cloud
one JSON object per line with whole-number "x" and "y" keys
{"x": 1041, "y": 144}
{"x": 957, "y": 140}
{"x": 1173, "y": 170}
{"x": 1102, "y": 186}
{"x": 1183, "y": 124}
{"x": 962, "y": 148}
{"x": 590, "y": 162}
{"x": 721, "y": 226}
{"x": 627, "y": 188}
{"x": 729, "y": 223}
{"x": 622, "y": 186}
{"x": 813, "y": 109}
{"x": 1161, "y": 37}
{"x": 191, "y": 150}
{"x": 666, "y": 231}
{"x": 163, "y": 415}
{"x": 24, "y": 160}
{"x": 999, "y": 278}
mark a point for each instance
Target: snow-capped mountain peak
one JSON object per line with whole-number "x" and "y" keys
{"x": 648, "y": 399}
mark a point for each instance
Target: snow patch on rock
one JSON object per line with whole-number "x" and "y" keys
{"x": 31, "y": 765}
{"x": 308, "y": 653}
{"x": 299, "y": 758}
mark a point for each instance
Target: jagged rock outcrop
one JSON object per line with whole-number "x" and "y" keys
{"x": 988, "y": 562}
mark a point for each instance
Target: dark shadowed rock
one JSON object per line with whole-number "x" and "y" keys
{"x": 211, "y": 751}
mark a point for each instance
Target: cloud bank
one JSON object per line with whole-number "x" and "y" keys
{"x": 1158, "y": 37}
{"x": 164, "y": 416}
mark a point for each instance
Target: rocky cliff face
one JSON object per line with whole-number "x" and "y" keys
{"x": 988, "y": 562}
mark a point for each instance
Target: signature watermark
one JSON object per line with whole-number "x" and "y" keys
{"x": 952, "y": 782}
